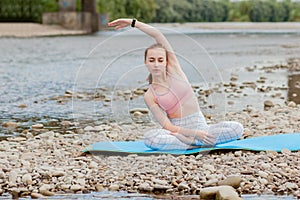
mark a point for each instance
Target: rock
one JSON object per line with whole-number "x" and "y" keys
{"x": 183, "y": 186}
{"x": 65, "y": 186}
{"x": 27, "y": 179}
{"x": 107, "y": 99}
{"x": 17, "y": 139}
{"x": 208, "y": 193}
{"x": 114, "y": 187}
{"x": 234, "y": 181}
{"x": 37, "y": 126}
{"x": 265, "y": 166}
{"x": 141, "y": 110}
{"x": 227, "y": 194}
{"x": 145, "y": 187}
{"x": 209, "y": 167}
{"x": 268, "y": 104}
{"x": 159, "y": 182}
{"x": 10, "y": 125}
{"x": 69, "y": 92}
{"x": 36, "y": 195}
{"x": 15, "y": 193}
{"x": 12, "y": 177}
{"x": 2, "y": 175}
{"x": 45, "y": 190}
{"x": 263, "y": 174}
{"x": 93, "y": 165}
{"x": 234, "y": 77}
{"x": 75, "y": 187}
{"x": 47, "y": 193}
{"x": 25, "y": 163}
{"x": 22, "y": 106}
{"x": 223, "y": 192}
{"x": 263, "y": 181}
{"x": 80, "y": 181}
{"x": 137, "y": 114}
{"x": 211, "y": 182}
{"x": 58, "y": 173}
{"x": 89, "y": 128}
{"x": 66, "y": 123}
{"x": 127, "y": 92}
{"x": 99, "y": 187}
{"x": 291, "y": 186}
{"x": 292, "y": 104}
{"x": 162, "y": 187}
{"x": 139, "y": 91}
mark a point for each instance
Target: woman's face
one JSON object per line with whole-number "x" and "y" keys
{"x": 156, "y": 60}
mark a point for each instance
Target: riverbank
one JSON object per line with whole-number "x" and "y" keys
{"x": 42, "y": 162}
{"x": 25, "y": 30}
{"x": 236, "y": 25}
{"x": 39, "y": 30}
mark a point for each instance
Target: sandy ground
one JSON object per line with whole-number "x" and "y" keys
{"x": 34, "y": 30}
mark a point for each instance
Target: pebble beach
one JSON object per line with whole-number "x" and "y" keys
{"x": 44, "y": 162}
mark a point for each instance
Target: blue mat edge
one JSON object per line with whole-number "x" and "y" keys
{"x": 196, "y": 150}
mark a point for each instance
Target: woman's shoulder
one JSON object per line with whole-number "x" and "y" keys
{"x": 149, "y": 97}
{"x": 148, "y": 94}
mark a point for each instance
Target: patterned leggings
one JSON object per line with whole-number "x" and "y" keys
{"x": 161, "y": 139}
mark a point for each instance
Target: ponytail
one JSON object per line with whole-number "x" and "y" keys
{"x": 149, "y": 79}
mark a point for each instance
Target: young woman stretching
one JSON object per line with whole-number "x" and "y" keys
{"x": 171, "y": 100}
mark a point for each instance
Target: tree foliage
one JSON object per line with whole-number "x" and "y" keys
{"x": 20, "y": 10}
{"x": 141, "y": 9}
{"x": 164, "y": 10}
{"x": 202, "y": 10}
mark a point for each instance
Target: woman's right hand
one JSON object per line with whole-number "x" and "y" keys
{"x": 120, "y": 23}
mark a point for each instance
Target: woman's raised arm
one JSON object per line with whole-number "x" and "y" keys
{"x": 154, "y": 33}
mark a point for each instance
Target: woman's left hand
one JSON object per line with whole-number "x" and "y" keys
{"x": 120, "y": 23}
{"x": 205, "y": 138}
{"x": 184, "y": 139}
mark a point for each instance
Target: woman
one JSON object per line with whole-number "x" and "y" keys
{"x": 171, "y": 100}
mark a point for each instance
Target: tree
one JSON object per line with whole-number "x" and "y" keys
{"x": 260, "y": 11}
{"x": 141, "y": 9}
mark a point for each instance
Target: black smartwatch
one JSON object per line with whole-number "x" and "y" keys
{"x": 133, "y": 22}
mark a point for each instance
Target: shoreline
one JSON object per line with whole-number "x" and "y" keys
{"x": 25, "y": 30}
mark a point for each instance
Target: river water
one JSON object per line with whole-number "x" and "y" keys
{"x": 34, "y": 70}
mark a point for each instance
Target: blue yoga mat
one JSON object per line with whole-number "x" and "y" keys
{"x": 289, "y": 141}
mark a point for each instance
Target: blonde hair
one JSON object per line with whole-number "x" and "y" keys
{"x": 154, "y": 46}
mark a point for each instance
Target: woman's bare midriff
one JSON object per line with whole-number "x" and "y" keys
{"x": 189, "y": 107}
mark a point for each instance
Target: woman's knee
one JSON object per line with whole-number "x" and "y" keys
{"x": 238, "y": 129}
{"x": 153, "y": 138}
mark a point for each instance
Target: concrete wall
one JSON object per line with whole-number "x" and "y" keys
{"x": 87, "y": 20}
{"x": 73, "y": 20}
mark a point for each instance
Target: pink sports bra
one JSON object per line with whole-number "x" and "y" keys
{"x": 178, "y": 93}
